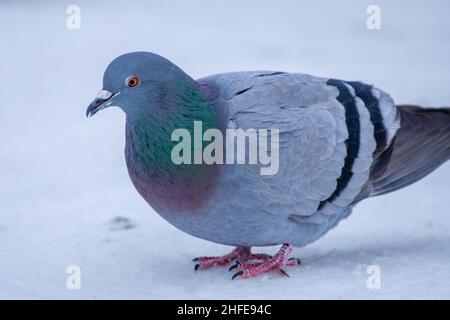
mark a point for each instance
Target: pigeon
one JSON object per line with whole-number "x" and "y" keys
{"x": 338, "y": 143}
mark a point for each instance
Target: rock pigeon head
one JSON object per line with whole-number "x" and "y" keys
{"x": 138, "y": 83}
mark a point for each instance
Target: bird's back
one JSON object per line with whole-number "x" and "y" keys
{"x": 331, "y": 132}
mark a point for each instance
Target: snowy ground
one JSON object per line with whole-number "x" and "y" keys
{"x": 66, "y": 199}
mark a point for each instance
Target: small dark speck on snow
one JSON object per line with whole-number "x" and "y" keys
{"x": 121, "y": 223}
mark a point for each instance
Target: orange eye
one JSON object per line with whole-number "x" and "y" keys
{"x": 132, "y": 81}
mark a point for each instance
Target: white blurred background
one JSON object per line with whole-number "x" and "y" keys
{"x": 65, "y": 196}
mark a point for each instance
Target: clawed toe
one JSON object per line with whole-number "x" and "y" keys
{"x": 284, "y": 273}
{"x": 234, "y": 266}
{"x": 292, "y": 262}
{"x": 237, "y": 274}
{"x": 238, "y": 254}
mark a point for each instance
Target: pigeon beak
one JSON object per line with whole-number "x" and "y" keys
{"x": 101, "y": 101}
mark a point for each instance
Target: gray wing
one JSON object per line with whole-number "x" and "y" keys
{"x": 327, "y": 133}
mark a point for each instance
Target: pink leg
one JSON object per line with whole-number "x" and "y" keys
{"x": 240, "y": 254}
{"x": 275, "y": 263}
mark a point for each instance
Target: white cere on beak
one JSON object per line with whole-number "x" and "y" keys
{"x": 104, "y": 95}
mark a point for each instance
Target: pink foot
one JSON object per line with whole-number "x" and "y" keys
{"x": 249, "y": 264}
{"x": 275, "y": 263}
{"x": 240, "y": 254}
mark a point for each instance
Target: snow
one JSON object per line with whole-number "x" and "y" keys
{"x": 66, "y": 198}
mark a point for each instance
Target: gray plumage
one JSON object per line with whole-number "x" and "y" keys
{"x": 340, "y": 142}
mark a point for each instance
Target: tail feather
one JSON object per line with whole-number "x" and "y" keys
{"x": 421, "y": 145}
